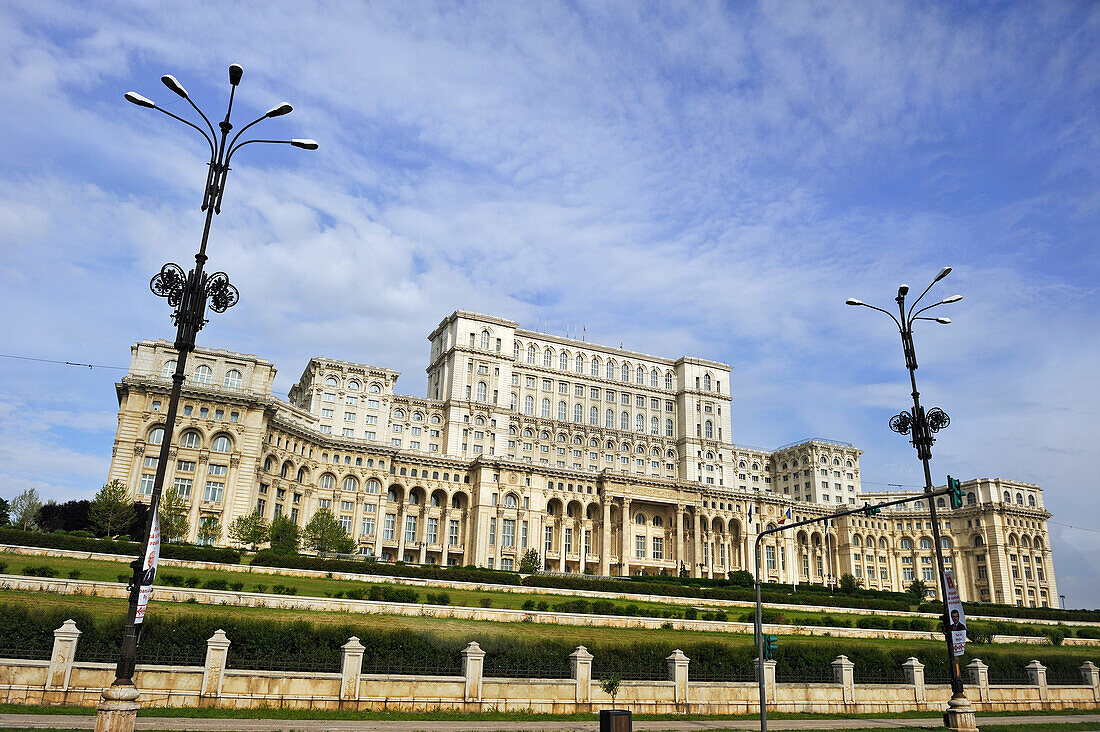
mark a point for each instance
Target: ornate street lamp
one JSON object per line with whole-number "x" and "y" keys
{"x": 188, "y": 294}
{"x": 922, "y": 426}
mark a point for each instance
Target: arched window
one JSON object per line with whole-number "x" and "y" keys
{"x": 654, "y": 378}
{"x": 1020, "y": 499}
{"x": 640, "y": 449}
{"x": 658, "y": 521}
{"x": 1031, "y": 501}
{"x": 578, "y": 413}
{"x": 456, "y": 500}
{"x": 611, "y": 369}
{"x": 351, "y": 484}
{"x": 654, "y": 425}
{"x": 515, "y": 402}
{"x": 940, "y": 503}
{"x": 626, "y": 372}
{"x": 418, "y": 417}
{"x": 531, "y": 354}
{"x": 284, "y": 472}
{"x": 971, "y": 499}
{"x": 579, "y": 364}
{"x": 156, "y": 436}
{"x": 482, "y": 391}
{"x": 399, "y": 414}
{"x": 668, "y": 380}
{"x": 435, "y": 499}
{"x": 268, "y": 465}
{"x": 561, "y": 411}
{"x": 594, "y": 416}
{"x": 640, "y": 519}
{"x": 925, "y": 543}
{"x": 563, "y": 361}
{"x": 547, "y": 358}
{"x": 327, "y": 482}
{"x": 639, "y": 423}
{"x": 414, "y": 497}
{"x": 391, "y": 495}
{"x": 485, "y": 340}
{"x": 624, "y": 421}
{"x": 233, "y": 379}
{"x": 609, "y": 419}
{"x": 545, "y": 409}
{"x": 435, "y": 419}
{"x": 708, "y": 430}
{"x": 639, "y": 376}
{"x": 168, "y": 369}
{"x": 706, "y": 382}
{"x": 190, "y": 439}
{"x": 595, "y": 369}
{"x": 1007, "y": 497}
{"x": 510, "y": 501}
{"x": 203, "y": 374}
{"x": 945, "y": 543}
{"x": 515, "y": 350}
{"x": 375, "y": 389}
{"x": 373, "y": 486}
{"x": 221, "y": 443}
{"x": 353, "y": 385}
{"x": 906, "y": 543}
{"x": 529, "y": 405}
{"x": 668, "y": 428}
{"x": 479, "y": 420}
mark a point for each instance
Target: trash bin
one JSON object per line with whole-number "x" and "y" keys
{"x": 615, "y": 720}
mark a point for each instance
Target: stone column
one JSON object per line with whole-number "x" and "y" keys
{"x": 914, "y": 675}
{"x": 624, "y": 552}
{"x": 1090, "y": 676}
{"x": 399, "y": 527}
{"x": 679, "y": 537}
{"x": 213, "y": 672}
{"x": 351, "y": 669}
{"x": 445, "y": 534}
{"x": 769, "y": 678}
{"x": 678, "y": 674}
{"x": 423, "y": 525}
{"x": 580, "y": 660}
{"x": 1037, "y": 676}
{"x": 605, "y": 539}
{"x": 61, "y": 658}
{"x": 979, "y": 678}
{"x": 473, "y": 664}
{"x": 697, "y": 546}
{"x": 118, "y": 710}
{"x": 844, "y": 673}
{"x": 561, "y": 540}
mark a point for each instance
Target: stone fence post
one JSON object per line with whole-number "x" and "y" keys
{"x": 1090, "y": 676}
{"x": 351, "y": 669}
{"x": 914, "y": 675}
{"x": 61, "y": 658}
{"x": 473, "y": 666}
{"x": 1037, "y": 676}
{"x": 213, "y": 672}
{"x": 580, "y": 660}
{"x": 678, "y": 675}
{"x": 769, "y": 678}
{"x": 844, "y": 673}
{"x": 979, "y": 678}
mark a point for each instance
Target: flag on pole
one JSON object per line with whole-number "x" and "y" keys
{"x": 784, "y": 517}
{"x": 750, "y": 516}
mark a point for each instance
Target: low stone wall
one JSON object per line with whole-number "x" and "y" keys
{"x": 519, "y": 589}
{"x": 506, "y": 615}
{"x": 60, "y": 681}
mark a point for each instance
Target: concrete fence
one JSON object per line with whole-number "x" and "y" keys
{"x": 60, "y": 680}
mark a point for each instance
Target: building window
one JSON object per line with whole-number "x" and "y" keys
{"x": 433, "y": 530}
{"x": 659, "y": 547}
{"x": 410, "y": 529}
{"x": 492, "y": 530}
{"x": 214, "y": 491}
{"x": 233, "y": 379}
{"x": 388, "y": 526}
{"x": 639, "y": 546}
{"x": 203, "y": 374}
{"x": 549, "y": 533}
{"x": 452, "y": 532}
{"x": 509, "y": 532}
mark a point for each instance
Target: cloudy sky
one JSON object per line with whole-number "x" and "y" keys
{"x": 681, "y": 178}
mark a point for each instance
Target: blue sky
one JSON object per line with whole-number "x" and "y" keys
{"x": 702, "y": 179}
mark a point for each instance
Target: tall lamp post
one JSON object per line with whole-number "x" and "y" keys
{"x": 923, "y": 425}
{"x": 188, "y": 294}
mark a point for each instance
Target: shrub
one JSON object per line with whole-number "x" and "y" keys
{"x": 437, "y": 598}
{"x": 3, "y": 567}
{"x": 74, "y": 574}
{"x": 721, "y": 615}
{"x": 690, "y": 613}
{"x": 260, "y": 589}
{"x": 17, "y": 537}
{"x": 921, "y": 624}
{"x": 544, "y": 605}
{"x": 267, "y": 558}
{"x": 124, "y": 577}
{"x": 215, "y": 584}
{"x": 236, "y": 586}
{"x": 1088, "y": 632}
{"x": 486, "y": 602}
{"x": 872, "y": 621}
{"x": 39, "y": 570}
{"x": 528, "y": 604}
{"x": 356, "y": 593}
{"x": 741, "y": 578}
{"x": 171, "y": 580}
{"x": 191, "y": 582}
{"x": 393, "y": 593}
{"x": 666, "y": 625}
{"x": 603, "y": 607}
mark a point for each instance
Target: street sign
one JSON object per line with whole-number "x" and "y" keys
{"x": 956, "y": 621}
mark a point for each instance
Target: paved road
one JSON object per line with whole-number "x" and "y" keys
{"x": 176, "y": 724}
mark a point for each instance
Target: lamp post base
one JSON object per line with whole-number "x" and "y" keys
{"x": 959, "y": 716}
{"x": 118, "y": 710}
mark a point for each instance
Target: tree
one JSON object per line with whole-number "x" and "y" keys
{"x": 324, "y": 535}
{"x": 284, "y": 536}
{"x": 210, "y": 529}
{"x": 67, "y": 516}
{"x": 251, "y": 530}
{"x": 111, "y": 511}
{"x": 918, "y": 589}
{"x": 611, "y": 685}
{"x": 741, "y": 578}
{"x": 173, "y": 511}
{"x": 5, "y": 512}
{"x": 849, "y": 584}
{"x": 530, "y": 563}
{"x": 24, "y": 509}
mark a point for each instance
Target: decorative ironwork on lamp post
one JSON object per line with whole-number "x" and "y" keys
{"x": 922, "y": 425}
{"x": 188, "y": 294}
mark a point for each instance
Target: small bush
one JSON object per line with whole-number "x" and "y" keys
{"x": 666, "y": 625}
{"x": 1088, "y": 632}
{"x": 216, "y": 583}
{"x": 260, "y": 589}
{"x": 191, "y": 582}
{"x": 236, "y": 586}
{"x": 486, "y": 602}
{"x": 3, "y": 567}
{"x": 544, "y": 605}
{"x": 603, "y": 607}
{"x": 721, "y": 615}
{"x": 529, "y": 604}
{"x": 690, "y": 613}
{"x": 40, "y": 570}
{"x": 356, "y": 593}
{"x": 438, "y": 598}
{"x": 124, "y": 577}
{"x": 171, "y": 580}
{"x": 872, "y": 621}
{"x": 74, "y": 574}
{"x": 391, "y": 593}
{"x": 921, "y": 624}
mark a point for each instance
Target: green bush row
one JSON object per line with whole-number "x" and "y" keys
{"x": 263, "y": 644}
{"x": 18, "y": 537}
{"x": 368, "y": 565}
{"x": 1014, "y": 611}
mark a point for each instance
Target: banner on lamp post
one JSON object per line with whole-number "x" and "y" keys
{"x": 148, "y": 569}
{"x": 956, "y": 620}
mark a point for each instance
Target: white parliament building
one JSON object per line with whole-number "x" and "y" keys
{"x": 603, "y": 460}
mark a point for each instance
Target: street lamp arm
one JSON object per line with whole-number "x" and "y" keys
{"x": 304, "y": 144}
{"x": 206, "y": 119}
{"x": 946, "y": 301}
{"x": 914, "y": 305}
{"x": 233, "y": 143}
{"x": 888, "y": 313}
{"x": 192, "y": 125}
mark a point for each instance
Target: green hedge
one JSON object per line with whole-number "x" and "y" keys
{"x": 267, "y": 558}
{"x": 1014, "y": 611}
{"x": 18, "y": 537}
{"x": 262, "y": 644}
